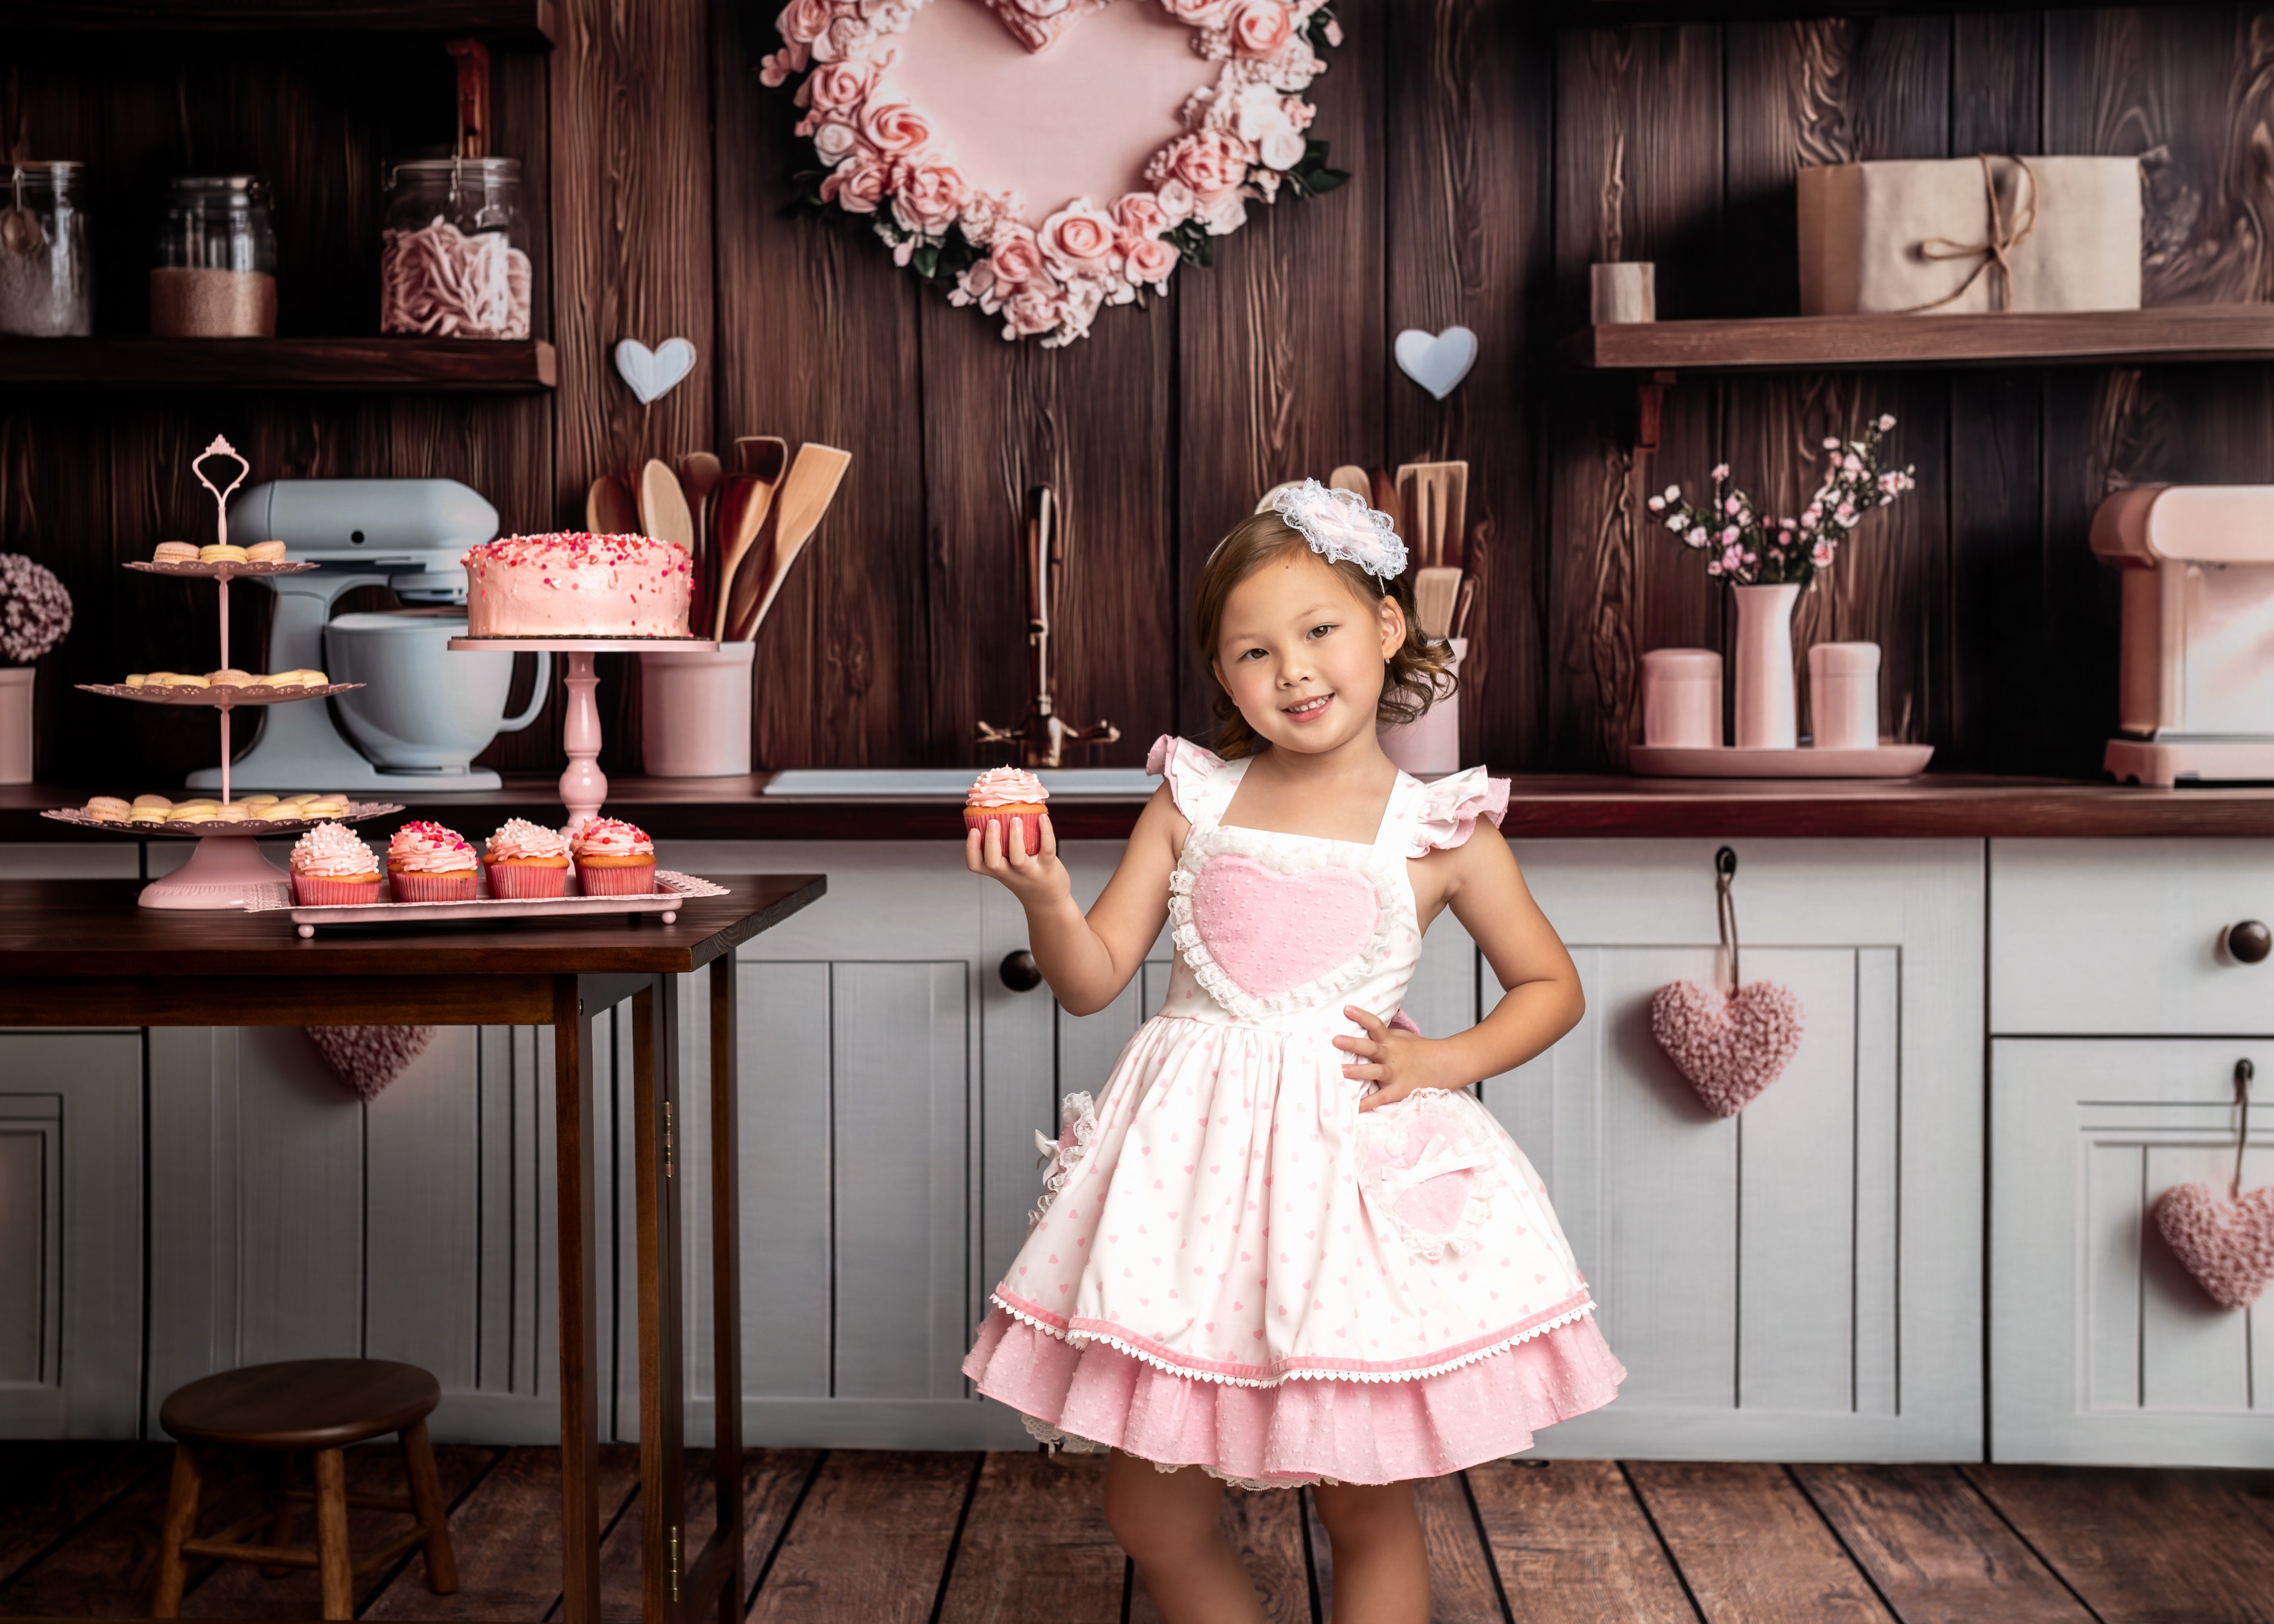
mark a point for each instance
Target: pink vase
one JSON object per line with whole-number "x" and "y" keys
{"x": 1767, "y": 705}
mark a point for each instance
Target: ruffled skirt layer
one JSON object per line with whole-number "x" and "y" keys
{"x": 1301, "y": 1431}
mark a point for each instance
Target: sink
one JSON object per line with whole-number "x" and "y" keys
{"x": 848, "y": 782}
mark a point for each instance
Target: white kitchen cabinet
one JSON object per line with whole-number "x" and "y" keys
{"x": 1802, "y": 1281}
{"x": 2102, "y": 1350}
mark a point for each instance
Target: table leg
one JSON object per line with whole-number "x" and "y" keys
{"x": 726, "y": 1287}
{"x": 579, "y": 1193}
{"x": 662, "y": 1369}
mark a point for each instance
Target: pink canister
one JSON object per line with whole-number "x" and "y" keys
{"x": 1843, "y": 694}
{"x": 1682, "y": 698}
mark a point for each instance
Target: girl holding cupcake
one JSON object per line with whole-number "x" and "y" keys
{"x": 1284, "y": 1244}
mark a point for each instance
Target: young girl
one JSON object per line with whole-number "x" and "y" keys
{"x": 1281, "y": 1248}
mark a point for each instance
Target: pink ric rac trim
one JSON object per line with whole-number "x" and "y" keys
{"x": 1308, "y": 1368}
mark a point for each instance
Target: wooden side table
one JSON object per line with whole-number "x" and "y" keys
{"x": 80, "y": 953}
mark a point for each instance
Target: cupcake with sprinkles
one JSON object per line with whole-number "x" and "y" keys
{"x": 1013, "y": 797}
{"x": 614, "y": 859}
{"x": 526, "y": 859}
{"x": 426, "y": 862}
{"x": 332, "y": 868}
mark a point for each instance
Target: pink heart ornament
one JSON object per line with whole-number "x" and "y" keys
{"x": 1271, "y": 931}
{"x": 367, "y": 1058}
{"x": 2227, "y": 1247}
{"x": 1729, "y": 1048}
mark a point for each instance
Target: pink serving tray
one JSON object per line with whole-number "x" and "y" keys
{"x": 671, "y": 891}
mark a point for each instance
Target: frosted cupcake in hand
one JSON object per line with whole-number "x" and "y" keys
{"x": 614, "y": 859}
{"x": 426, "y": 862}
{"x": 1010, "y": 796}
{"x": 331, "y": 869}
{"x": 527, "y": 860}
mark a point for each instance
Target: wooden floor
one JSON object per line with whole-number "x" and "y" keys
{"x": 881, "y": 1537}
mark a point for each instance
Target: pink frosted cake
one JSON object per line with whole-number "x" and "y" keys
{"x": 576, "y": 586}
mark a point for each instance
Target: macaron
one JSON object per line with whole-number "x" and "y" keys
{"x": 158, "y": 802}
{"x": 108, "y": 807}
{"x": 175, "y": 553}
{"x": 147, "y": 815}
{"x": 220, "y": 553}
{"x": 229, "y": 676}
{"x": 263, "y": 799}
{"x": 230, "y": 812}
{"x": 266, "y": 553}
{"x": 190, "y": 814}
{"x": 135, "y": 679}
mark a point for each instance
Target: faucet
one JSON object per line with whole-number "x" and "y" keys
{"x": 1042, "y": 735}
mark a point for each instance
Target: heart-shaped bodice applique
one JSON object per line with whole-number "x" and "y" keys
{"x": 1271, "y": 931}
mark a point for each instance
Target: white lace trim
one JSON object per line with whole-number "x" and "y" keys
{"x": 1476, "y": 1147}
{"x": 1443, "y": 806}
{"x": 1080, "y": 1339}
{"x": 1194, "y": 774}
{"x": 1077, "y": 1127}
{"x": 1393, "y": 910}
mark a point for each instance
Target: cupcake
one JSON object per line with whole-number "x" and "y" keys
{"x": 527, "y": 860}
{"x": 614, "y": 859}
{"x": 1011, "y": 796}
{"x": 426, "y": 862}
{"x": 330, "y": 867}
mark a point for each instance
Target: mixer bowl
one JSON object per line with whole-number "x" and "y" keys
{"x": 423, "y": 708}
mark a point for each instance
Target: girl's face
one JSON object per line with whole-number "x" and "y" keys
{"x": 1303, "y": 655}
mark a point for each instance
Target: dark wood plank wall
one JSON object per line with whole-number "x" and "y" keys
{"x": 1493, "y": 163}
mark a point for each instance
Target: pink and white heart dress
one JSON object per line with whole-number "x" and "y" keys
{"x": 1232, "y": 1266}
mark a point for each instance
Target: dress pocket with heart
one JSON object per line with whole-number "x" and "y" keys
{"x": 1428, "y": 1167}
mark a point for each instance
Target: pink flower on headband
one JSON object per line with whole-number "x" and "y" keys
{"x": 1341, "y": 528}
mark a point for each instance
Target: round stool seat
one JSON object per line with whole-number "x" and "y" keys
{"x": 301, "y": 1404}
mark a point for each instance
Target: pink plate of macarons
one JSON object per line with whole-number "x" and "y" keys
{"x": 430, "y": 873}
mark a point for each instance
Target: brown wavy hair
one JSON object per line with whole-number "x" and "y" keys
{"x": 1418, "y": 675}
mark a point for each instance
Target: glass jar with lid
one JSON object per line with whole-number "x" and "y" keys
{"x": 47, "y": 288}
{"x": 215, "y": 272}
{"x": 454, "y": 262}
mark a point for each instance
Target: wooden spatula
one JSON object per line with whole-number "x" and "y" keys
{"x": 1385, "y": 499}
{"x": 743, "y": 515}
{"x": 1435, "y": 498}
{"x": 664, "y": 513}
{"x": 1436, "y": 592}
{"x": 1350, "y": 476}
{"x": 806, "y": 494}
{"x": 608, "y": 509}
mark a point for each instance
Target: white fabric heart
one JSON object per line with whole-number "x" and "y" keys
{"x": 654, "y": 374}
{"x": 1436, "y": 361}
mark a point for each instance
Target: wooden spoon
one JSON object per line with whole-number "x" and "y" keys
{"x": 1435, "y": 496}
{"x": 1350, "y": 476}
{"x": 664, "y": 513}
{"x": 1436, "y": 590}
{"x": 608, "y": 509}
{"x": 805, "y": 496}
{"x": 1385, "y": 499}
{"x": 763, "y": 457}
{"x": 700, "y": 474}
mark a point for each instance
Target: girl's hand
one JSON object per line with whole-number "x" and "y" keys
{"x": 1401, "y": 1062}
{"x": 1039, "y": 880}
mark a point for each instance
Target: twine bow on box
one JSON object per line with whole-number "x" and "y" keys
{"x": 2005, "y": 235}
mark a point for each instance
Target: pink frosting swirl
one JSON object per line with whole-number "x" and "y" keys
{"x": 518, "y": 836}
{"x": 607, "y": 836}
{"x": 330, "y": 852}
{"x": 429, "y": 848}
{"x": 1007, "y": 786}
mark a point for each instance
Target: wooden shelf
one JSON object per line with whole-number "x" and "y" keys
{"x": 2062, "y": 338}
{"x": 437, "y": 364}
{"x": 527, "y": 23}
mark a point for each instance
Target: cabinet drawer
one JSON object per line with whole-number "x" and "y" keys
{"x": 2110, "y": 937}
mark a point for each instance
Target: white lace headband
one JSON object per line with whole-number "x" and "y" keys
{"x": 1340, "y": 526}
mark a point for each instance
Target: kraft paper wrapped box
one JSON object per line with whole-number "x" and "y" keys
{"x": 1923, "y": 236}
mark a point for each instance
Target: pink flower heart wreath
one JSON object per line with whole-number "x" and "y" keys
{"x": 2227, "y": 1243}
{"x": 1727, "y": 1046}
{"x": 877, "y": 156}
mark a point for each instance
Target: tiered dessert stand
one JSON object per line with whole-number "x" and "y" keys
{"x": 226, "y": 870}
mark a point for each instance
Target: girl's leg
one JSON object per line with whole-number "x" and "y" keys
{"x": 1166, "y": 1520}
{"x": 1381, "y": 1567}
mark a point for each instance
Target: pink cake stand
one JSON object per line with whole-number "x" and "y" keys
{"x": 584, "y": 786}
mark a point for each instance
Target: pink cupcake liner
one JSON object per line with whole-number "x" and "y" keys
{"x": 635, "y": 879}
{"x": 312, "y": 891}
{"x": 517, "y": 880}
{"x": 1028, "y": 825}
{"x": 433, "y": 887}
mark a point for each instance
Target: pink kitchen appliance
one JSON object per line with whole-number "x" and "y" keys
{"x": 2195, "y": 701}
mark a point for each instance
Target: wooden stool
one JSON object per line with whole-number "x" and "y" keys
{"x": 316, "y": 1404}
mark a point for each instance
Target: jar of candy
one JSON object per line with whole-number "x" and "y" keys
{"x": 454, "y": 262}
{"x": 216, "y": 272}
{"x": 47, "y": 290}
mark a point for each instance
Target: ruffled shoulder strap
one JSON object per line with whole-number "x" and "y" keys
{"x": 1199, "y": 780}
{"x": 1444, "y": 812}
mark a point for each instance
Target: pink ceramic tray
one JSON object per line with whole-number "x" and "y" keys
{"x": 672, "y": 890}
{"x": 1668, "y": 761}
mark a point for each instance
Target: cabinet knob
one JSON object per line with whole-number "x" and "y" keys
{"x": 2249, "y": 941}
{"x": 1020, "y": 973}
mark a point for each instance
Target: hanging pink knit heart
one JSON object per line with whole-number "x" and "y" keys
{"x": 2227, "y": 1247}
{"x": 1730, "y": 1047}
{"x": 367, "y": 1058}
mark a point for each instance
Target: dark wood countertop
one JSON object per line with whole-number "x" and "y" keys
{"x": 1545, "y": 806}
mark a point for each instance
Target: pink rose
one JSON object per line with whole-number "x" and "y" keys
{"x": 838, "y": 85}
{"x": 1209, "y": 161}
{"x": 1198, "y": 13}
{"x": 1283, "y": 149}
{"x": 1079, "y": 239}
{"x": 1175, "y": 200}
{"x": 1148, "y": 259}
{"x": 1223, "y": 213}
{"x": 1300, "y": 112}
{"x": 1017, "y": 257}
{"x": 894, "y": 128}
{"x": 928, "y": 195}
{"x": 1037, "y": 307}
{"x": 1260, "y": 26}
{"x": 1139, "y": 213}
{"x": 846, "y": 36}
{"x": 835, "y": 141}
{"x": 859, "y": 183}
{"x": 803, "y": 21}
{"x": 774, "y": 71}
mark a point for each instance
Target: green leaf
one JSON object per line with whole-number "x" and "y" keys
{"x": 925, "y": 260}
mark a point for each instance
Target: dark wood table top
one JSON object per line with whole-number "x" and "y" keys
{"x": 56, "y": 928}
